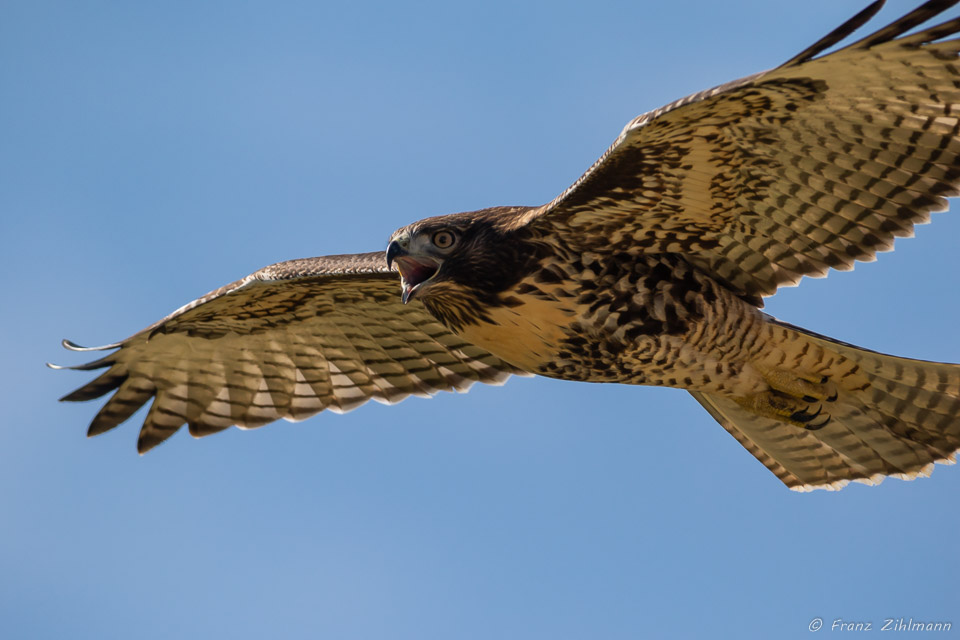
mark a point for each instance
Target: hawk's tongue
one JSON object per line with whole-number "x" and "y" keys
{"x": 414, "y": 272}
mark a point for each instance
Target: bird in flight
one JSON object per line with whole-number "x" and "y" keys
{"x": 650, "y": 269}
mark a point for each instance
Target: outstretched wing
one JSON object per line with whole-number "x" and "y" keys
{"x": 810, "y": 166}
{"x": 288, "y": 341}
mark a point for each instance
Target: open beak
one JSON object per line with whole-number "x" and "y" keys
{"x": 413, "y": 271}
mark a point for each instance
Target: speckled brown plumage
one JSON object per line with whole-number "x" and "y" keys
{"x": 650, "y": 269}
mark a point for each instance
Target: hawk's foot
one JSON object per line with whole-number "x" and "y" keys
{"x": 804, "y": 387}
{"x": 801, "y": 412}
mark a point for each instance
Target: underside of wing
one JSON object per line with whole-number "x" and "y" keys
{"x": 813, "y": 165}
{"x": 288, "y": 341}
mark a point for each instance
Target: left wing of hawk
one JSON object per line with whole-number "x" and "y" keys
{"x": 810, "y": 166}
{"x": 288, "y": 341}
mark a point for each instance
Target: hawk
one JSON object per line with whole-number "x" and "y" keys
{"x": 650, "y": 269}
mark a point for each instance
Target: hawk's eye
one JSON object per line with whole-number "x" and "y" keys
{"x": 443, "y": 239}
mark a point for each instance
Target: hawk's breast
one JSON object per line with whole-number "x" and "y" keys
{"x": 527, "y": 329}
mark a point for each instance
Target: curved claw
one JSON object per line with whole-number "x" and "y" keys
{"x": 819, "y": 425}
{"x": 804, "y": 415}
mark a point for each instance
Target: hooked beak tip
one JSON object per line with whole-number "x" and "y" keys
{"x": 393, "y": 251}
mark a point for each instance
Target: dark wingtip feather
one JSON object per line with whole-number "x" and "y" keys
{"x": 897, "y": 28}
{"x": 201, "y": 429}
{"x": 96, "y": 428}
{"x": 73, "y": 346}
{"x": 100, "y": 363}
{"x": 128, "y": 399}
{"x": 158, "y": 426}
{"x": 836, "y": 35}
{"x": 99, "y": 386}
{"x": 149, "y": 439}
{"x": 934, "y": 33}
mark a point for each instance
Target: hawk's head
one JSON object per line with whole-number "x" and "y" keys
{"x": 463, "y": 253}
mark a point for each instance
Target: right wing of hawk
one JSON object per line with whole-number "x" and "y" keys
{"x": 813, "y": 165}
{"x": 288, "y": 341}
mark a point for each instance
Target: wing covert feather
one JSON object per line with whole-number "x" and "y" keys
{"x": 288, "y": 341}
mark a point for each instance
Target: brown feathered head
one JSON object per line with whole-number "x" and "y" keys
{"x": 459, "y": 254}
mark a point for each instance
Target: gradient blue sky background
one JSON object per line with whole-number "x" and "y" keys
{"x": 150, "y": 152}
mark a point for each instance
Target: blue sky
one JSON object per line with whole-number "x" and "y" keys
{"x": 151, "y": 152}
